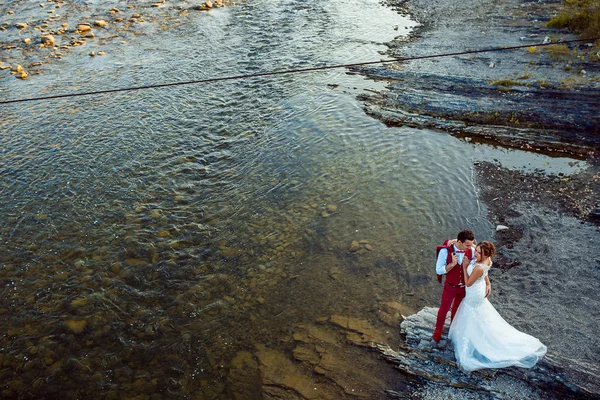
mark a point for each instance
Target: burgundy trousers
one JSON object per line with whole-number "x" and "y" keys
{"x": 451, "y": 297}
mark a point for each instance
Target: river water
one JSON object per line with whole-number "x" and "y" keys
{"x": 149, "y": 236}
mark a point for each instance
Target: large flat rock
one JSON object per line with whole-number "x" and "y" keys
{"x": 420, "y": 356}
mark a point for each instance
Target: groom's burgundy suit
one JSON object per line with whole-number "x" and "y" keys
{"x": 453, "y": 292}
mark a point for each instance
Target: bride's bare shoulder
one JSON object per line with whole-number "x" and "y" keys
{"x": 478, "y": 266}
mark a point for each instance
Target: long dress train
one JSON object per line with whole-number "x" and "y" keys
{"x": 483, "y": 339}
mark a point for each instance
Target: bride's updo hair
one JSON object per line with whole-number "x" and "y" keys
{"x": 487, "y": 249}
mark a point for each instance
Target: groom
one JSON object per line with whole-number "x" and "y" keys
{"x": 448, "y": 263}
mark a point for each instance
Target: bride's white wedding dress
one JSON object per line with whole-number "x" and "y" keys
{"x": 483, "y": 339}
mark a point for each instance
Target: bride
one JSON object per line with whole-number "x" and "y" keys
{"x": 481, "y": 337}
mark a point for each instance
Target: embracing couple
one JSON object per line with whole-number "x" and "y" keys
{"x": 480, "y": 336}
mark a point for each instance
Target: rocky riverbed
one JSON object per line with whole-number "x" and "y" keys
{"x": 35, "y": 34}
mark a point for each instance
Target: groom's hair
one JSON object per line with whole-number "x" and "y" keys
{"x": 465, "y": 234}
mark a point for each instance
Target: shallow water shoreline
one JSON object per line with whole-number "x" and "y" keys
{"x": 535, "y": 281}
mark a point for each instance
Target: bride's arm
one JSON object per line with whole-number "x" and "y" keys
{"x": 475, "y": 274}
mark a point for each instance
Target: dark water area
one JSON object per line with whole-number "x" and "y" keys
{"x": 150, "y": 236}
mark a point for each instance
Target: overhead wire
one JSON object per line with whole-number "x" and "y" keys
{"x": 289, "y": 71}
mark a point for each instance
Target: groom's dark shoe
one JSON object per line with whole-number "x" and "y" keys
{"x": 437, "y": 335}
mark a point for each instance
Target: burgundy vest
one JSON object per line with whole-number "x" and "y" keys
{"x": 455, "y": 276}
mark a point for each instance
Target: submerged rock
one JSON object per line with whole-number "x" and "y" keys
{"x": 79, "y": 302}
{"x": 282, "y": 377}
{"x": 243, "y": 377}
{"x": 77, "y": 326}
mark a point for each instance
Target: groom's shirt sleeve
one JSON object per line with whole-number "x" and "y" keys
{"x": 440, "y": 265}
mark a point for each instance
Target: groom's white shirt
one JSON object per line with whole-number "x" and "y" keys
{"x": 440, "y": 265}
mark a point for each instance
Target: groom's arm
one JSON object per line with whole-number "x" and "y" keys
{"x": 440, "y": 266}
{"x": 488, "y": 286}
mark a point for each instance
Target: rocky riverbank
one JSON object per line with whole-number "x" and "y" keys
{"x": 435, "y": 362}
{"x": 539, "y": 100}
{"x": 536, "y": 98}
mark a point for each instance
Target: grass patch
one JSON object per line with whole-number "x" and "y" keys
{"x": 506, "y": 83}
{"x": 572, "y": 82}
{"x": 498, "y": 117}
{"x": 542, "y": 84}
{"x": 559, "y": 51}
{"x": 581, "y": 16}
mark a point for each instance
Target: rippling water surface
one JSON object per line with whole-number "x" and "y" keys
{"x": 149, "y": 236}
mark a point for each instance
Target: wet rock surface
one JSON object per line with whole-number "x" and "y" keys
{"x": 540, "y": 99}
{"x": 434, "y": 362}
{"x": 317, "y": 367}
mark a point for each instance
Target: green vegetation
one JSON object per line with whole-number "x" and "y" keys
{"x": 572, "y": 82}
{"x": 581, "y": 16}
{"x": 559, "y": 51}
{"x": 542, "y": 84}
{"x": 506, "y": 83}
{"x": 498, "y": 117}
